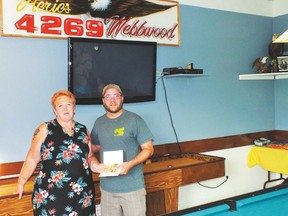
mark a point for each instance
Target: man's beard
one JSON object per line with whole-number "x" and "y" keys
{"x": 119, "y": 107}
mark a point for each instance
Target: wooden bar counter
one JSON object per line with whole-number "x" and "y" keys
{"x": 163, "y": 177}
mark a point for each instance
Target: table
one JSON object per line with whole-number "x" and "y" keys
{"x": 271, "y": 159}
{"x": 163, "y": 177}
{"x": 266, "y": 202}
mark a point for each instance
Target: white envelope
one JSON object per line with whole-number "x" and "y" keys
{"x": 112, "y": 159}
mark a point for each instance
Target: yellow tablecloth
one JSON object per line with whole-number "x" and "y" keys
{"x": 274, "y": 160}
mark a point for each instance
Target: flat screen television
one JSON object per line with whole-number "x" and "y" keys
{"x": 94, "y": 63}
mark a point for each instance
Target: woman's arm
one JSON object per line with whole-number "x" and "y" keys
{"x": 32, "y": 159}
{"x": 94, "y": 163}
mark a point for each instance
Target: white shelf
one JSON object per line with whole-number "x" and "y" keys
{"x": 264, "y": 76}
{"x": 184, "y": 75}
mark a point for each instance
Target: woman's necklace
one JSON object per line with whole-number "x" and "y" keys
{"x": 69, "y": 128}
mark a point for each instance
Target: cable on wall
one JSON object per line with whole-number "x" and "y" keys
{"x": 170, "y": 116}
{"x": 213, "y": 187}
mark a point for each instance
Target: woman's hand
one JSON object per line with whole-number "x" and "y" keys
{"x": 19, "y": 190}
{"x": 98, "y": 168}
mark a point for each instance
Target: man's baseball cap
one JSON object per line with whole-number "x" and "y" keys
{"x": 111, "y": 85}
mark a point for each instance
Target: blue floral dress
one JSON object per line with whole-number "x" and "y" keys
{"x": 64, "y": 185}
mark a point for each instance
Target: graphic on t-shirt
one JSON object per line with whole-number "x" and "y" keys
{"x": 119, "y": 132}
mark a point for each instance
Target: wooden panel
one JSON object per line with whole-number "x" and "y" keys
{"x": 14, "y": 206}
{"x": 155, "y": 202}
{"x": 10, "y": 168}
{"x": 202, "y": 172}
{"x": 163, "y": 180}
{"x": 97, "y": 192}
{"x": 217, "y": 143}
{"x": 9, "y": 189}
{"x": 281, "y": 135}
{"x": 171, "y": 200}
{"x": 170, "y": 164}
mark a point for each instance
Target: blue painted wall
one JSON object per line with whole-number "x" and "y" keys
{"x": 281, "y": 86}
{"x": 224, "y": 44}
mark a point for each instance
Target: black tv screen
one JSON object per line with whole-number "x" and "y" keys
{"x": 94, "y": 63}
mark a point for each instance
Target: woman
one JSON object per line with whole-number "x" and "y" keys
{"x": 64, "y": 184}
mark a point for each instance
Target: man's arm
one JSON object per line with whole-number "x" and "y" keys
{"x": 146, "y": 152}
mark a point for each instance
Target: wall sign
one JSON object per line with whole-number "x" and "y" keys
{"x": 153, "y": 20}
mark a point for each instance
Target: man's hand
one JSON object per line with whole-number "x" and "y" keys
{"x": 125, "y": 168}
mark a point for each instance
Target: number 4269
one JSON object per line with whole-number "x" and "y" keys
{"x": 52, "y": 25}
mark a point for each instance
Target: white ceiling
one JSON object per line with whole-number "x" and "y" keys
{"x": 271, "y": 8}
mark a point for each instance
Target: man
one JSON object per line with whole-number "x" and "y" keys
{"x": 120, "y": 129}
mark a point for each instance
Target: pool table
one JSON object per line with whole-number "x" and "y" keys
{"x": 266, "y": 202}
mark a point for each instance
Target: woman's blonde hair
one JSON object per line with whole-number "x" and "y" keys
{"x": 62, "y": 93}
